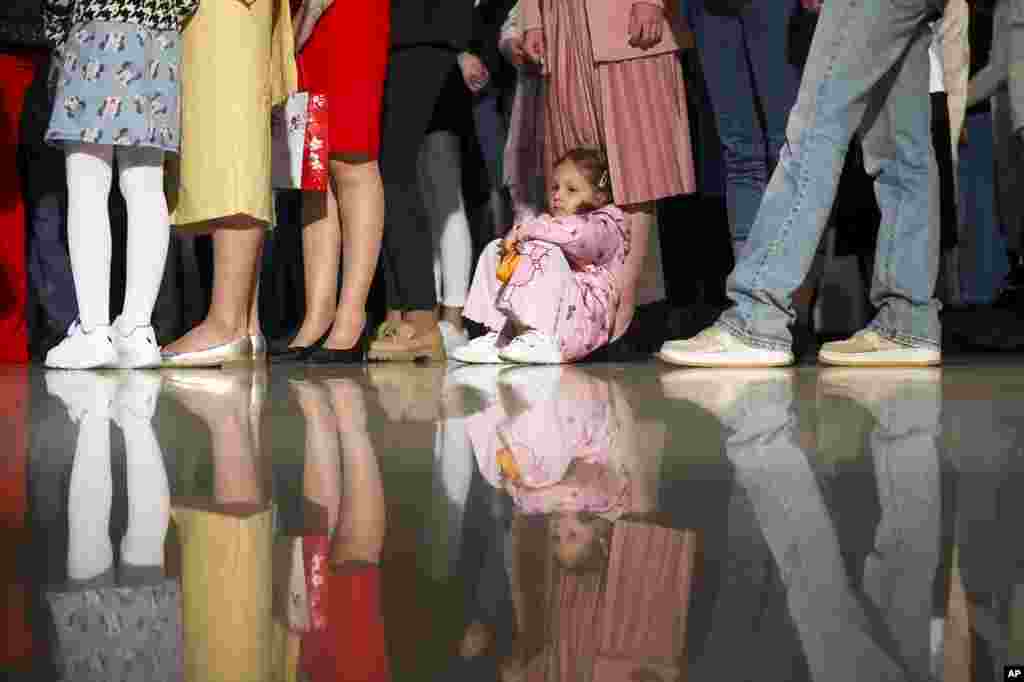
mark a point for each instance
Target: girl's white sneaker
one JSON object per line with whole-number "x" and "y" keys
{"x": 136, "y": 348}
{"x": 533, "y": 348}
{"x": 83, "y": 350}
{"x": 483, "y": 350}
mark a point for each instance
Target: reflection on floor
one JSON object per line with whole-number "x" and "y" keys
{"x": 605, "y": 523}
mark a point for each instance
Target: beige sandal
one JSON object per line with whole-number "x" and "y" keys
{"x": 403, "y": 345}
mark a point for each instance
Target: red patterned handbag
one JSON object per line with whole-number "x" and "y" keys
{"x": 299, "y": 142}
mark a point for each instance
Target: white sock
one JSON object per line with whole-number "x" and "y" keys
{"x": 441, "y": 184}
{"x": 141, "y": 172}
{"x": 89, "y": 175}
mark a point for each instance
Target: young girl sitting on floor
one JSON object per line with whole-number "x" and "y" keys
{"x": 564, "y": 274}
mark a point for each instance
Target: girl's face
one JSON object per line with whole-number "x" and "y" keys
{"x": 570, "y": 190}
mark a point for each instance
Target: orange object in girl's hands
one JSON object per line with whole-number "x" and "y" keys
{"x": 509, "y": 258}
{"x": 507, "y": 266}
{"x": 508, "y": 466}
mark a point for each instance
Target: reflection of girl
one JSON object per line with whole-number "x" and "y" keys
{"x": 119, "y": 617}
{"x": 560, "y": 454}
{"x": 615, "y": 585}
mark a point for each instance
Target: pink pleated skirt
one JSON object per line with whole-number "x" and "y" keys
{"x": 635, "y": 110}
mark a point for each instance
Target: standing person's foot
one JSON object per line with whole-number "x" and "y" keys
{"x": 210, "y": 344}
{"x": 389, "y": 327}
{"x": 408, "y": 344}
{"x": 716, "y": 347}
{"x": 136, "y": 348}
{"x": 297, "y": 352}
{"x": 868, "y": 348}
{"x": 83, "y": 350}
{"x": 340, "y": 348}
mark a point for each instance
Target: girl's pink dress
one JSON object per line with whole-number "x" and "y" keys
{"x": 635, "y": 109}
{"x": 567, "y": 284}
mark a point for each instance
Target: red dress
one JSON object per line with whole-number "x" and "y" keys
{"x": 17, "y": 70}
{"x": 346, "y": 58}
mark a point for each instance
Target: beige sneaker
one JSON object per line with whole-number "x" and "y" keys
{"x": 868, "y": 348}
{"x": 716, "y": 347}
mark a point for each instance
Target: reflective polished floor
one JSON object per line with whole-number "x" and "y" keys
{"x": 618, "y": 523}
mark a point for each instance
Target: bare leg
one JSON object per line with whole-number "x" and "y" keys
{"x": 641, "y": 218}
{"x": 255, "y": 329}
{"x": 360, "y": 205}
{"x": 236, "y": 249}
{"x": 321, "y": 253}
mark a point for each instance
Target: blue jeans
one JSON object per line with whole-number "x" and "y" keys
{"x": 867, "y": 69}
{"x": 983, "y": 264}
{"x": 738, "y": 89}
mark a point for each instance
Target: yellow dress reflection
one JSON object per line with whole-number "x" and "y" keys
{"x": 225, "y": 540}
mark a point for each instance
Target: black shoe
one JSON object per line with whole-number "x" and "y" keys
{"x": 280, "y": 345}
{"x": 356, "y": 355}
{"x": 282, "y": 355}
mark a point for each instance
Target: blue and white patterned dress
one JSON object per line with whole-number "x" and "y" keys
{"x": 117, "y": 71}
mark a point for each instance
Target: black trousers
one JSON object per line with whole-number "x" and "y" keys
{"x": 416, "y": 79}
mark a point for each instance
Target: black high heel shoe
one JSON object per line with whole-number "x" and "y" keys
{"x": 279, "y": 356}
{"x": 356, "y": 355}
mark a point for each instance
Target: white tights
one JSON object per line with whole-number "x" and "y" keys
{"x": 141, "y": 178}
{"x": 441, "y": 185}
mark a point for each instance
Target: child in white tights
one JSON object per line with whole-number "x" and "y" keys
{"x": 117, "y": 88}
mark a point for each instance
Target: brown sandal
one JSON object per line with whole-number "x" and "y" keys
{"x": 404, "y": 345}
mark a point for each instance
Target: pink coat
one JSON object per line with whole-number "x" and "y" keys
{"x": 609, "y": 29}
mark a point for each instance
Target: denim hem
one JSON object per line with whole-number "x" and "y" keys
{"x": 908, "y": 340}
{"x": 749, "y": 339}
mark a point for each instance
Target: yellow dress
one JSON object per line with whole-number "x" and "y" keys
{"x": 226, "y": 587}
{"x": 238, "y": 59}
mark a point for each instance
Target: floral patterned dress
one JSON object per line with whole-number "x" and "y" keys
{"x": 117, "y": 71}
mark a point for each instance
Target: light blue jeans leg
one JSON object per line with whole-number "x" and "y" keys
{"x": 907, "y": 186}
{"x": 857, "y": 44}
